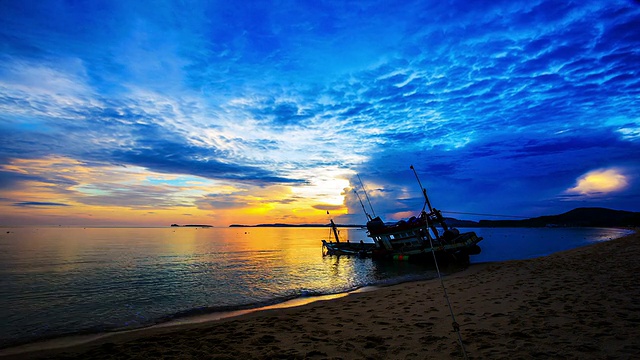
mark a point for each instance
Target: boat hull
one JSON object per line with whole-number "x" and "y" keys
{"x": 456, "y": 250}
{"x": 348, "y": 249}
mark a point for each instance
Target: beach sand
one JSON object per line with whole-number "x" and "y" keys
{"x": 578, "y": 304}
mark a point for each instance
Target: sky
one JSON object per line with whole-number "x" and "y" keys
{"x": 148, "y": 113}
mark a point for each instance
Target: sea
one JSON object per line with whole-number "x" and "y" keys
{"x": 63, "y": 281}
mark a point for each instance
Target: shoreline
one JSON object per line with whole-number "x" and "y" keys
{"x": 81, "y": 338}
{"x": 578, "y": 303}
{"x": 72, "y": 340}
{"x": 67, "y": 341}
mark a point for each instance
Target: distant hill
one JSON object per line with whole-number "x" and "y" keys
{"x": 451, "y": 222}
{"x": 579, "y": 217}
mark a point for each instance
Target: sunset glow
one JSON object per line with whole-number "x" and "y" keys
{"x": 129, "y": 113}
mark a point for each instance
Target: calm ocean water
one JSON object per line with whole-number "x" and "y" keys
{"x": 62, "y": 281}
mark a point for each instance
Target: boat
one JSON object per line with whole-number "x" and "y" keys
{"x": 417, "y": 238}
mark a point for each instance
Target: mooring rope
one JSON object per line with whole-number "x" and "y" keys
{"x": 494, "y": 215}
{"x": 456, "y": 326}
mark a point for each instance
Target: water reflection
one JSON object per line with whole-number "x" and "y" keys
{"x": 502, "y": 244}
{"x": 59, "y": 280}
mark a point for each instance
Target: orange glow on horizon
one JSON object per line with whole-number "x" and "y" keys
{"x": 63, "y": 191}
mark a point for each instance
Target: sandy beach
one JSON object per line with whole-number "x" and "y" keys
{"x": 578, "y": 304}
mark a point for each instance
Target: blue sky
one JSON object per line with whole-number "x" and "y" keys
{"x": 136, "y": 112}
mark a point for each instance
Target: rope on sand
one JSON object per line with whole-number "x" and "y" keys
{"x": 456, "y": 326}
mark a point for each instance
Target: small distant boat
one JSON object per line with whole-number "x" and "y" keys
{"x": 417, "y": 238}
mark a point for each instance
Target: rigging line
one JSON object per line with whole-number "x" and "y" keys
{"x": 329, "y": 226}
{"x": 361, "y": 204}
{"x": 497, "y": 215}
{"x": 456, "y": 326}
{"x": 365, "y": 194}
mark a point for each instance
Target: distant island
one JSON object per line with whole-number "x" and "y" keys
{"x": 579, "y": 217}
{"x": 191, "y": 225}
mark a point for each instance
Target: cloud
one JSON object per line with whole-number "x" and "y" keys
{"x": 38, "y": 204}
{"x": 328, "y": 207}
{"x": 132, "y": 196}
{"x": 600, "y": 182}
{"x": 224, "y": 201}
{"x": 174, "y": 158}
{"x": 10, "y": 180}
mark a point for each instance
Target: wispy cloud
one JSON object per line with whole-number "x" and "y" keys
{"x": 38, "y": 204}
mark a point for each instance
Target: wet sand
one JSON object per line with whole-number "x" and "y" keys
{"x": 578, "y": 304}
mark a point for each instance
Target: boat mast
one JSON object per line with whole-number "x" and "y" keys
{"x": 424, "y": 191}
{"x": 435, "y": 212}
{"x": 335, "y": 231}
{"x": 361, "y": 204}
{"x": 365, "y": 194}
